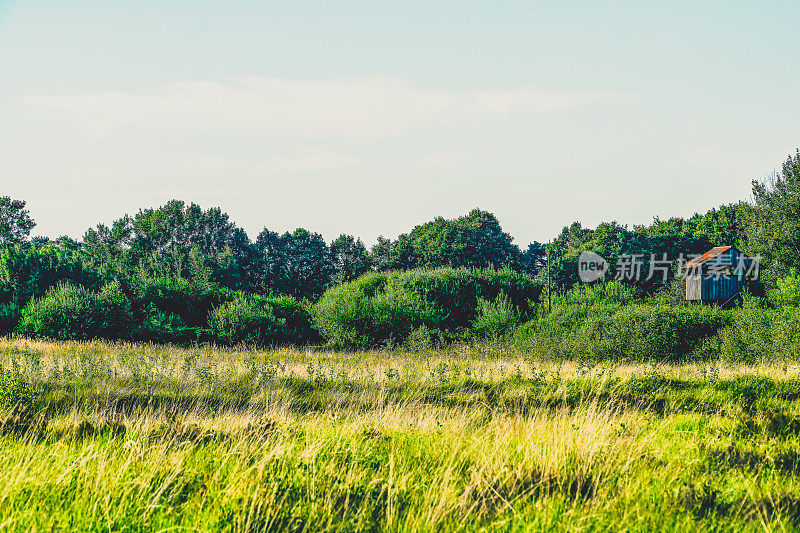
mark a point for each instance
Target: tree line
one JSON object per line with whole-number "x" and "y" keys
{"x": 183, "y": 245}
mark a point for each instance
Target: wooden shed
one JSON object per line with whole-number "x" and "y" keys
{"x": 719, "y": 275}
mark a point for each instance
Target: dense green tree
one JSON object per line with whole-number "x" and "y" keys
{"x": 297, "y": 263}
{"x": 157, "y": 242}
{"x": 773, "y": 221}
{"x": 475, "y": 241}
{"x": 104, "y": 248}
{"x": 28, "y": 269}
{"x": 394, "y": 255}
{"x": 723, "y": 226}
{"x": 534, "y": 258}
{"x": 177, "y": 226}
{"x": 15, "y": 221}
{"x": 643, "y": 256}
{"x": 350, "y": 258}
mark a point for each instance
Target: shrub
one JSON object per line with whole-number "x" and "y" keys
{"x": 786, "y": 335}
{"x": 552, "y": 333}
{"x": 64, "y": 312}
{"x": 180, "y": 297}
{"x": 747, "y": 338}
{"x": 649, "y": 332}
{"x": 495, "y": 318}
{"x": 156, "y": 325}
{"x": 298, "y": 327}
{"x": 245, "y": 320}
{"x": 15, "y": 390}
{"x": 384, "y": 308}
{"x": 758, "y": 335}
{"x": 262, "y": 320}
{"x": 118, "y": 315}
{"x": 787, "y": 291}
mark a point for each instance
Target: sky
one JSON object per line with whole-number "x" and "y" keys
{"x": 370, "y": 117}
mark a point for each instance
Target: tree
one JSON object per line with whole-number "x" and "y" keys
{"x": 772, "y": 223}
{"x": 722, "y": 226}
{"x": 297, "y": 263}
{"x": 176, "y": 226}
{"x": 394, "y": 255}
{"x": 159, "y": 241}
{"x": 533, "y": 260}
{"x": 350, "y": 258}
{"x": 15, "y": 222}
{"x": 475, "y": 240}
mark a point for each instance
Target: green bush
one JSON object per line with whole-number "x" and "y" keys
{"x": 385, "y": 308}
{"x": 496, "y": 318}
{"x": 245, "y": 320}
{"x": 552, "y": 332}
{"x": 298, "y": 326}
{"x": 174, "y": 309}
{"x": 748, "y": 337}
{"x": 65, "y": 312}
{"x": 263, "y": 321}
{"x": 155, "y": 325}
{"x": 787, "y": 291}
{"x": 786, "y": 335}
{"x": 757, "y": 335}
{"x": 117, "y": 320}
{"x": 649, "y": 332}
{"x": 15, "y": 390}
{"x": 188, "y": 300}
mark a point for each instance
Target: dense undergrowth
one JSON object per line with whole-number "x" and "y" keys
{"x": 99, "y": 436}
{"x": 432, "y": 309}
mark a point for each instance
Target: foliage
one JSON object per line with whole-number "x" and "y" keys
{"x": 649, "y": 332}
{"x": 298, "y": 264}
{"x": 183, "y": 298}
{"x": 118, "y": 312}
{"x": 15, "y": 221}
{"x": 72, "y": 312}
{"x": 496, "y": 318}
{"x": 384, "y": 308}
{"x": 472, "y": 241}
{"x": 9, "y": 317}
{"x": 773, "y": 221}
{"x": 350, "y": 258}
{"x": 298, "y": 328}
{"x": 757, "y": 335}
{"x": 15, "y": 390}
{"x": 787, "y": 290}
{"x": 245, "y": 320}
{"x": 262, "y": 321}
{"x": 552, "y": 333}
{"x": 29, "y": 269}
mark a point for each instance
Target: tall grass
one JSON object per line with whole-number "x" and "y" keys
{"x": 143, "y": 437}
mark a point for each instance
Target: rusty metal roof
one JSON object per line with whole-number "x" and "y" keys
{"x": 706, "y": 257}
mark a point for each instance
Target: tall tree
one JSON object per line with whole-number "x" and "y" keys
{"x": 474, "y": 240}
{"x": 297, "y": 263}
{"x": 534, "y": 258}
{"x": 773, "y": 221}
{"x": 15, "y": 221}
{"x": 177, "y": 226}
{"x": 350, "y": 258}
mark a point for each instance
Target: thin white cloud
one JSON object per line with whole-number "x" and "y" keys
{"x": 361, "y": 109}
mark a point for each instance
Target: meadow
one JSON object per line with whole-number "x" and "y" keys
{"x": 120, "y": 436}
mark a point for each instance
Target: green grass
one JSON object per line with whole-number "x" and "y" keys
{"x": 145, "y": 437}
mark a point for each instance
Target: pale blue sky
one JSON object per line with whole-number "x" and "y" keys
{"x": 371, "y": 117}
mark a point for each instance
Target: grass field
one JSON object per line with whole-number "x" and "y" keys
{"x": 143, "y": 437}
